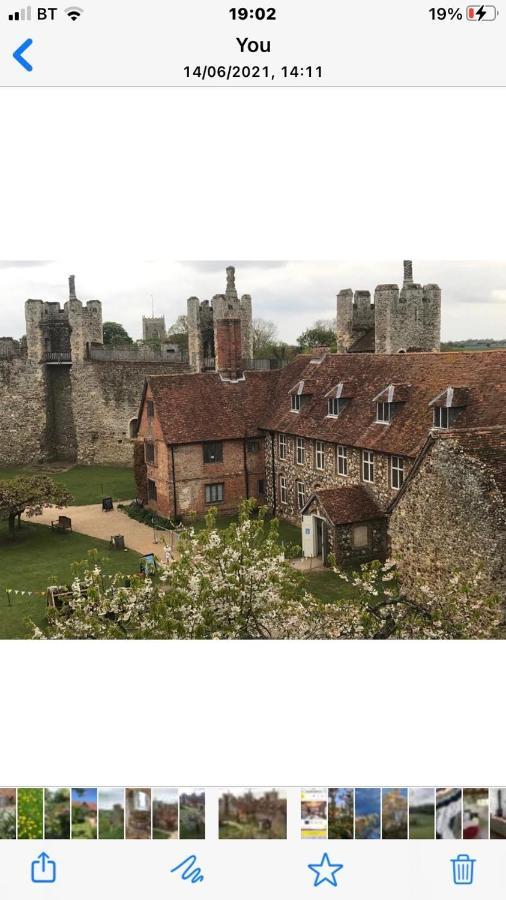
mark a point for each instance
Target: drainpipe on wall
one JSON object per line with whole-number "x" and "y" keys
{"x": 274, "y": 491}
{"x": 173, "y": 479}
{"x": 245, "y": 457}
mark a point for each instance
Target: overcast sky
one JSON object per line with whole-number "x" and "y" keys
{"x": 291, "y": 294}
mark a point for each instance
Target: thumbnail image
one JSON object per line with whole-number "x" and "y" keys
{"x": 84, "y": 813}
{"x": 30, "y": 814}
{"x": 138, "y": 814}
{"x": 422, "y": 813}
{"x": 475, "y": 823}
{"x": 111, "y": 814}
{"x": 313, "y": 813}
{"x": 329, "y": 416}
{"x": 165, "y": 813}
{"x": 368, "y": 813}
{"x": 498, "y": 813}
{"x": 448, "y": 813}
{"x": 258, "y": 813}
{"x": 57, "y": 813}
{"x": 7, "y": 813}
{"x": 192, "y": 814}
{"x": 341, "y": 813}
{"x": 394, "y": 821}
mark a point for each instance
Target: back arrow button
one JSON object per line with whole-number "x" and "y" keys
{"x": 18, "y": 55}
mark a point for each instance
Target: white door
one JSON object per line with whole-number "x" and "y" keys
{"x": 308, "y": 536}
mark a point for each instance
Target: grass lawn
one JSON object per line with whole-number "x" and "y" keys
{"x": 87, "y": 484}
{"x": 39, "y": 557}
{"x": 289, "y": 534}
{"x": 326, "y": 586}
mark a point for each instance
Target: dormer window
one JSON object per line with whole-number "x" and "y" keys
{"x": 447, "y": 406}
{"x": 383, "y": 412}
{"x": 336, "y": 406}
{"x": 441, "y": 417}
{"x": 337, "y": 398}
{"x": 296, "y": 403}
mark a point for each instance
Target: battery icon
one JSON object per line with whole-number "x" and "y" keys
{"x": 481, "y": 13}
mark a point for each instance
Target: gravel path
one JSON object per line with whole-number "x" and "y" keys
{"x": 91, "y": 520}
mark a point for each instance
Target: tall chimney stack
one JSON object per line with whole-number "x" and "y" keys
{"x": 408, "y": 272}
{"x": 72, "y": 287}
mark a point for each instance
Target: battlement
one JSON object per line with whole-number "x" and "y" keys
{"x": 400, "y": 319}
{"x": 67, "y": 332}
{"x": 220, "y": 332}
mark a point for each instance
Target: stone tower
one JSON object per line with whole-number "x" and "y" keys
{"x": 399, "y": 320}
{"x": 408, "y": 319}
{"x": 220, "y": 333}
{"x": 68, "y": 332}
{"x": 153, "y": 328}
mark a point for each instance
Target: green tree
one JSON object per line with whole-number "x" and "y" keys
{"x": 178, "y": 333}
{"x": 321, "y": 334}
{"x": 30, "y": 494}
{"x": 264, "y": 338}
{"x": 115, "y": 335}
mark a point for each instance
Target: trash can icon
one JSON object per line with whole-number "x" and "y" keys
{"x": 463, "y": 869}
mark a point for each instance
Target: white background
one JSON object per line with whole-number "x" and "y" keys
{"x": 312, "y": 174}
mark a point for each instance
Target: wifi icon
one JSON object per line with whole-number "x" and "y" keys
{"x": 74, "y": 12}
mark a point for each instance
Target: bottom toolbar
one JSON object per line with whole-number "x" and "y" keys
{"x": 250, "y": 869}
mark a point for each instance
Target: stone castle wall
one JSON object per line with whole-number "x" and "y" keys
{"x": 23, "y": 412}
{"x": 78, "y": 413}
{"x": 463, "y": 532}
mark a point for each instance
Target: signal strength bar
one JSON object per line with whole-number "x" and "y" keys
{"x": 22, "y": 15}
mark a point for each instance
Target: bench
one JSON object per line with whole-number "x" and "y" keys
{"x": 62, "y": 523}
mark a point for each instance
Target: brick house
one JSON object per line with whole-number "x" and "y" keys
{"x": 202, "y": 446}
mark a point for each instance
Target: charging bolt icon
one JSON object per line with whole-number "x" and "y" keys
{"x": 481, "y": 13}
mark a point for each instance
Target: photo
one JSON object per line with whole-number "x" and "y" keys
{"x": 448, "y": 813}
{"x": 192, "y": 814}
{"x": 138, "y": 814}
{"x": 30, "y": 814}
{"x": 7, "y": 814}
{"x": 475, "y": 824}
{"x": 394, "y": 814}
{"x": 258, "y": 813}
{"x": 57, "y": 813}
{"x": 341, "y": 430}
{"x": 165, "y": 813}
{"x": 313, "y": 813}
{"x": 498, "y": 813}
{"x": 341, "y": 813}
{"x": 422, "y": 813}
{"x": 111, "y": 814}
{"x": 368, "y": 814}
{"x": 84, "y": 813}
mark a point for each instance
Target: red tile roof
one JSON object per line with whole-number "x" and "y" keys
{"x": 203, "y": 407}
{"x": 348, "y": 504}
{"x": 427, "y": 374}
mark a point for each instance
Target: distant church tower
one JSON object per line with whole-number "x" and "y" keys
{"x": 399, "y": 320}
{"x": 220, "y": 332}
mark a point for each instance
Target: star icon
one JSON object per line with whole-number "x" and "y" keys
{"x": 325, "y": 871}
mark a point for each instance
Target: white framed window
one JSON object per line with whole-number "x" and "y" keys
{"x": 301, "y": 451}
{"x": 282, "y": 446}
{"x": 397, "y": 470}
{"x": 334, "y": 407}
{"x": 342, "y": 460}
{"x": 301, "y": 494}
{"x": 441, "y": 417}
{"x": 283, "y": 493}
{"x": 320, "y": 455}
{"x": 383, "y": 412}
{"x": 296, "y": 403}
{"x": 368, "y": 466}
{"x": 360, "y": 537}
{"x": 214, "y": 493}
